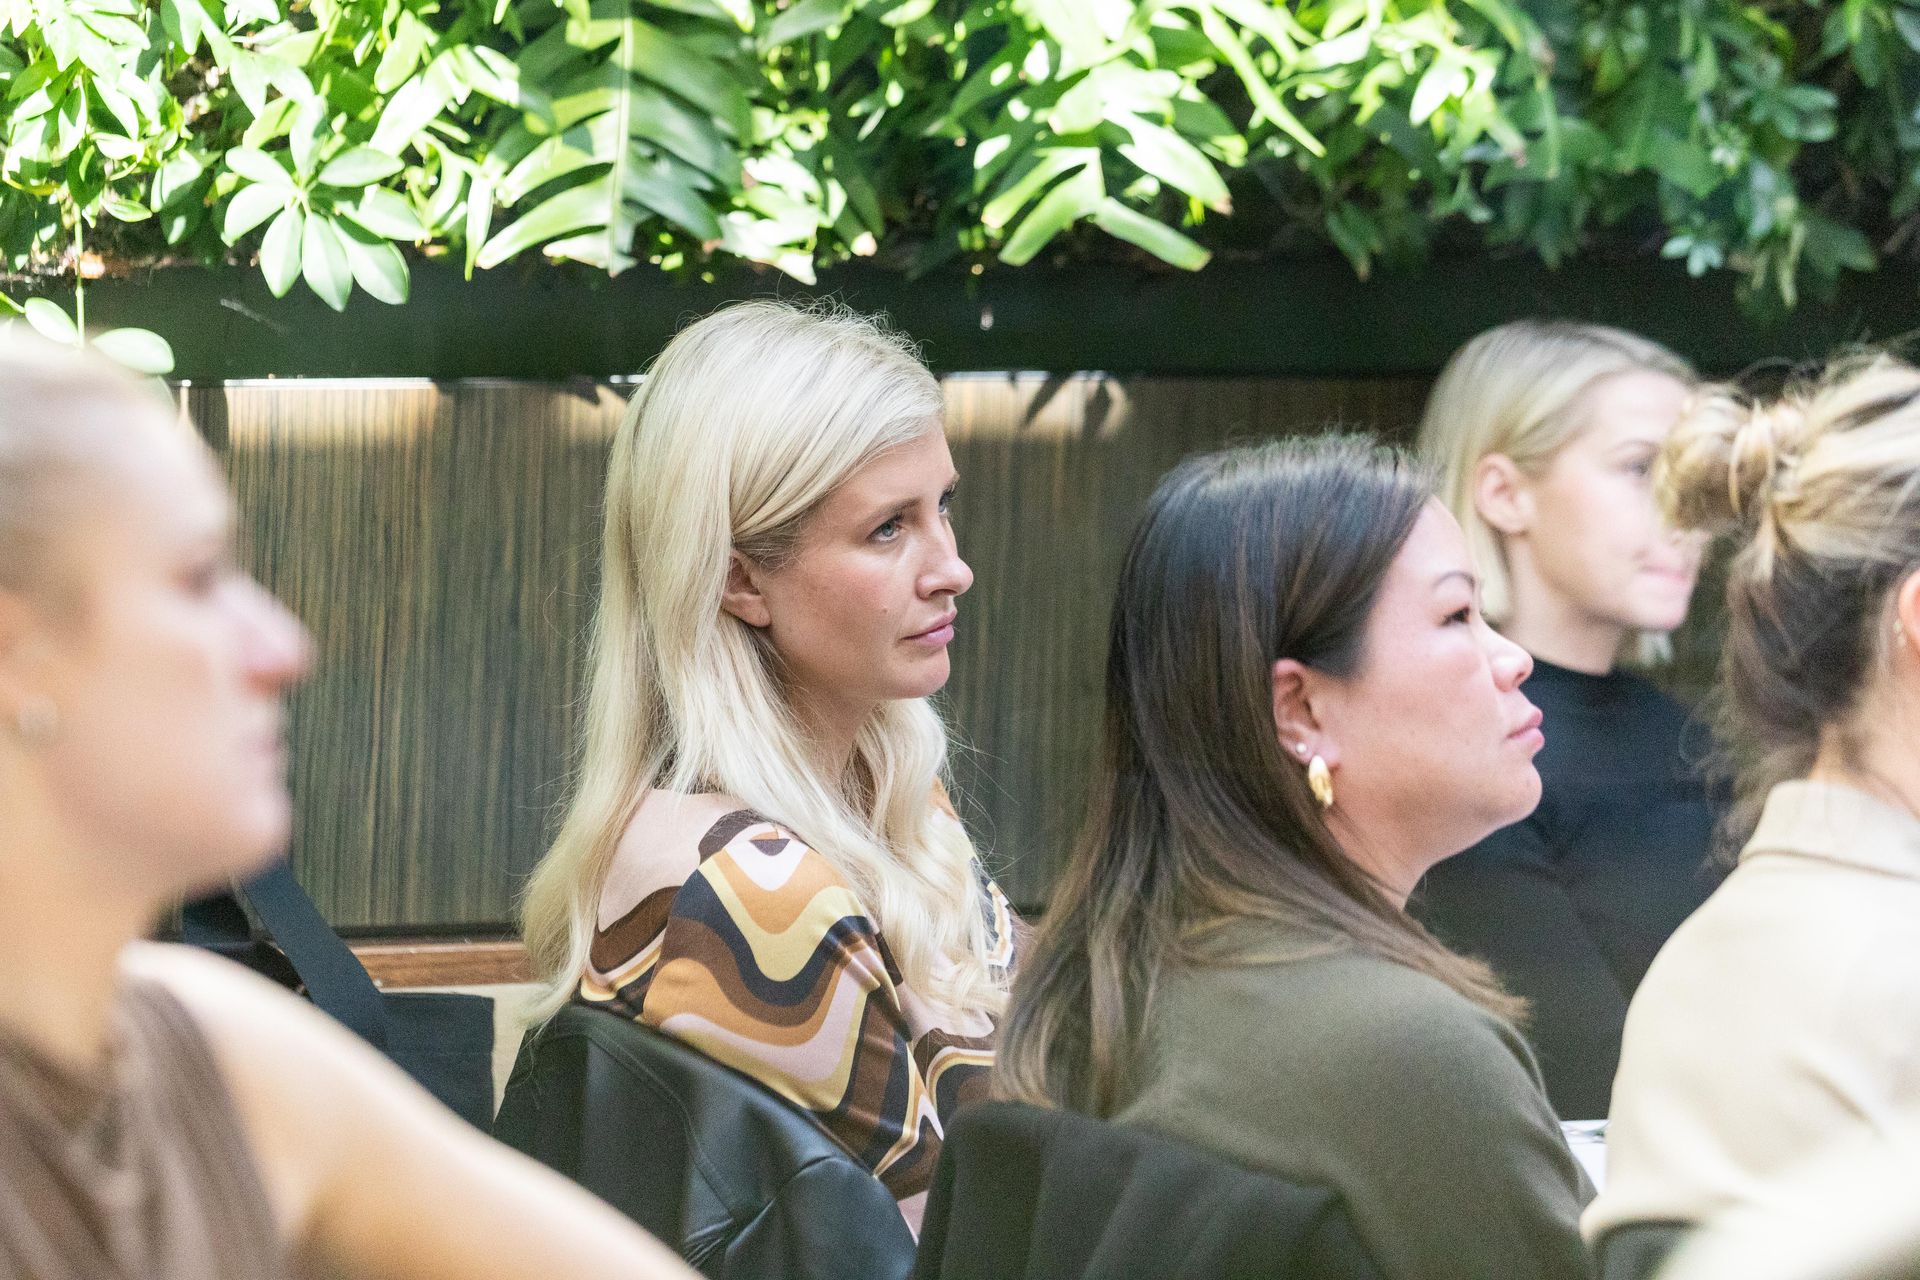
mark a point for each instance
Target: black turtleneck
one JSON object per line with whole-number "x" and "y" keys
{"x": 1570, "y": 904}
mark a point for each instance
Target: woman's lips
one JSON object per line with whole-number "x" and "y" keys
{"x": 1674, "y": 576}
{"x": 1530, "y": 729}
{"x": 938, "y": 634}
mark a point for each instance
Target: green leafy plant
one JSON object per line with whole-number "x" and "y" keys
{"x": 334, "y": 142}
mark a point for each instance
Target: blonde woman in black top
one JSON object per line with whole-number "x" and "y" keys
{"x": 1544, "y": 434}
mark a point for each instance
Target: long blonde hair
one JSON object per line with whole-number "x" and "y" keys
{"x": 1821, "y": 491}
{"x": 1519, "y": 390}
{"x": 742, "y": 427}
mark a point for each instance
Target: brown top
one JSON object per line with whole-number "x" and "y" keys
{"x": 141, "y": 1170}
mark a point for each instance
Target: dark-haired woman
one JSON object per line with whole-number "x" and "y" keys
{"x": 1305, "y": 711}
{"x": 1784, "y": 1016}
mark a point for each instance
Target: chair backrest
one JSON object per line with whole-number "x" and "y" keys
{"x": 1024, "y": 1193}
{"x": 742, "y": 1182}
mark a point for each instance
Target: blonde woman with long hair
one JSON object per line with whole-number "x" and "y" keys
{"x": 1543, "y": 434}
{"x": 758, "y": 857}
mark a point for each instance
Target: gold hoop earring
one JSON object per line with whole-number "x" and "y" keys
{"x": 37, "y": 721}
{"x": 1320, "y": 781}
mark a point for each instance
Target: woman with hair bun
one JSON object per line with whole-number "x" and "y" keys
{"x": 1544, "y": 433}
{"x": 1784, "y": 1015}
{"x": 759, "y": 857}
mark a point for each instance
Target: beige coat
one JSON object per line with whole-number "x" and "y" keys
{"x": 1782, "y": 1017}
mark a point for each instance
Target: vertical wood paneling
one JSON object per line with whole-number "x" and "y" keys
{"x": 442, "y": 543}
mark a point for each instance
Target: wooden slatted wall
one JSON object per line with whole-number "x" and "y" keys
{"x": 441, "y": 541}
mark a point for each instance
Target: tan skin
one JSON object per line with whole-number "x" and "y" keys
{"x": 167, "y": 667}
{"x": 1430, "y": 741}
{"x": 857, "y": 614}
{"x": 1590, "y": 560}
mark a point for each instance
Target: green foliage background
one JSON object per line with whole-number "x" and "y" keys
{"x": 330, "y": 141}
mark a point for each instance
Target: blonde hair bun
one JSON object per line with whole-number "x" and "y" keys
{"x": 1821, "y": 487}
{"x": 1718, "y": 467}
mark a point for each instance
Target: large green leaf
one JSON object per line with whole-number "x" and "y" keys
{"x": 417, "y": 104}
{"x": 647, "y": 120}
{"x": 251, "y": 205}
{"x": 1044, "y": 169}
{"x": 323, "y": 261}
{"x": 385, "y": 213}
{"x": 569, "y": 212}
{"x": 141, "y": 350}
{"x": 1175, "y": 161}
{"x": 375, "y": 262}
{"x": 1157, "y": 238}
{"x": 50, "y": 321}
{"x": 280, "y": 251}
{"x": 1060, "y": 208}
{"x": 359, "y": 167}
{"x": 799, "y": 20}
{"x": 258, "y": 166}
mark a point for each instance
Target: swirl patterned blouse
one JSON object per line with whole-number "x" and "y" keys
{"x": 755, "y": 950}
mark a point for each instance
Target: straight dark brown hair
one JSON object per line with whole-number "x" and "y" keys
{"x": 1198, "y": 817}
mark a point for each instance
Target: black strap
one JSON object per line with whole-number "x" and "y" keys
{"x": 333, "y": 976}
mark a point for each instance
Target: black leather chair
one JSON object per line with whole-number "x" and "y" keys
{"x": 743, "y": 1183}
{"x": 1023, "y": 1193}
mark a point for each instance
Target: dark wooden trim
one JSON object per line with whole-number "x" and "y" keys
{"x": 1264, "y": 318}
{"x": 444, "y": 962}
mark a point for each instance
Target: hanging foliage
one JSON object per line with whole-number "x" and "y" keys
{"x": 330, "y": 142}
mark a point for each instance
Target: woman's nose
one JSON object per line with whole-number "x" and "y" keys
{"x": 947, "y": 574}
{"x": 1511, "y": 664}
{"x": 279, "y": 647}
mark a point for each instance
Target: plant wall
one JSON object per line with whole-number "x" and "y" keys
{"x": 331, "y": 142}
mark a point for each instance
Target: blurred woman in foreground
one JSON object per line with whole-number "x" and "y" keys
{"x": 1305, "y": 711}
{"x": 164, "y": 1113}
{"x": 1783, "y": 1016}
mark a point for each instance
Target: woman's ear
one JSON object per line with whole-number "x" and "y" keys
{"x": 1300, "y": 730}
{"x": 1502, "y": 494}
{"x": 742, "y": 596}
{"x": 1906, "y": 616}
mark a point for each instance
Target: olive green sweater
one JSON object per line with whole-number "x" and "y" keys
{"x": 1332, "y": 1067}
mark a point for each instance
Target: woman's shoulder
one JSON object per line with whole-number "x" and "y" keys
{"x": 748, "y": 860}
{"x": 672, "y": 835}
{"x": 1368, "y": 1014}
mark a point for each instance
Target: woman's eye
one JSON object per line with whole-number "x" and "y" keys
{"x": 887, "y": 531}
{"x": 946, "y": 502}
{"x": 1462, "y": 615}
{"x": 1642, "y": 469}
